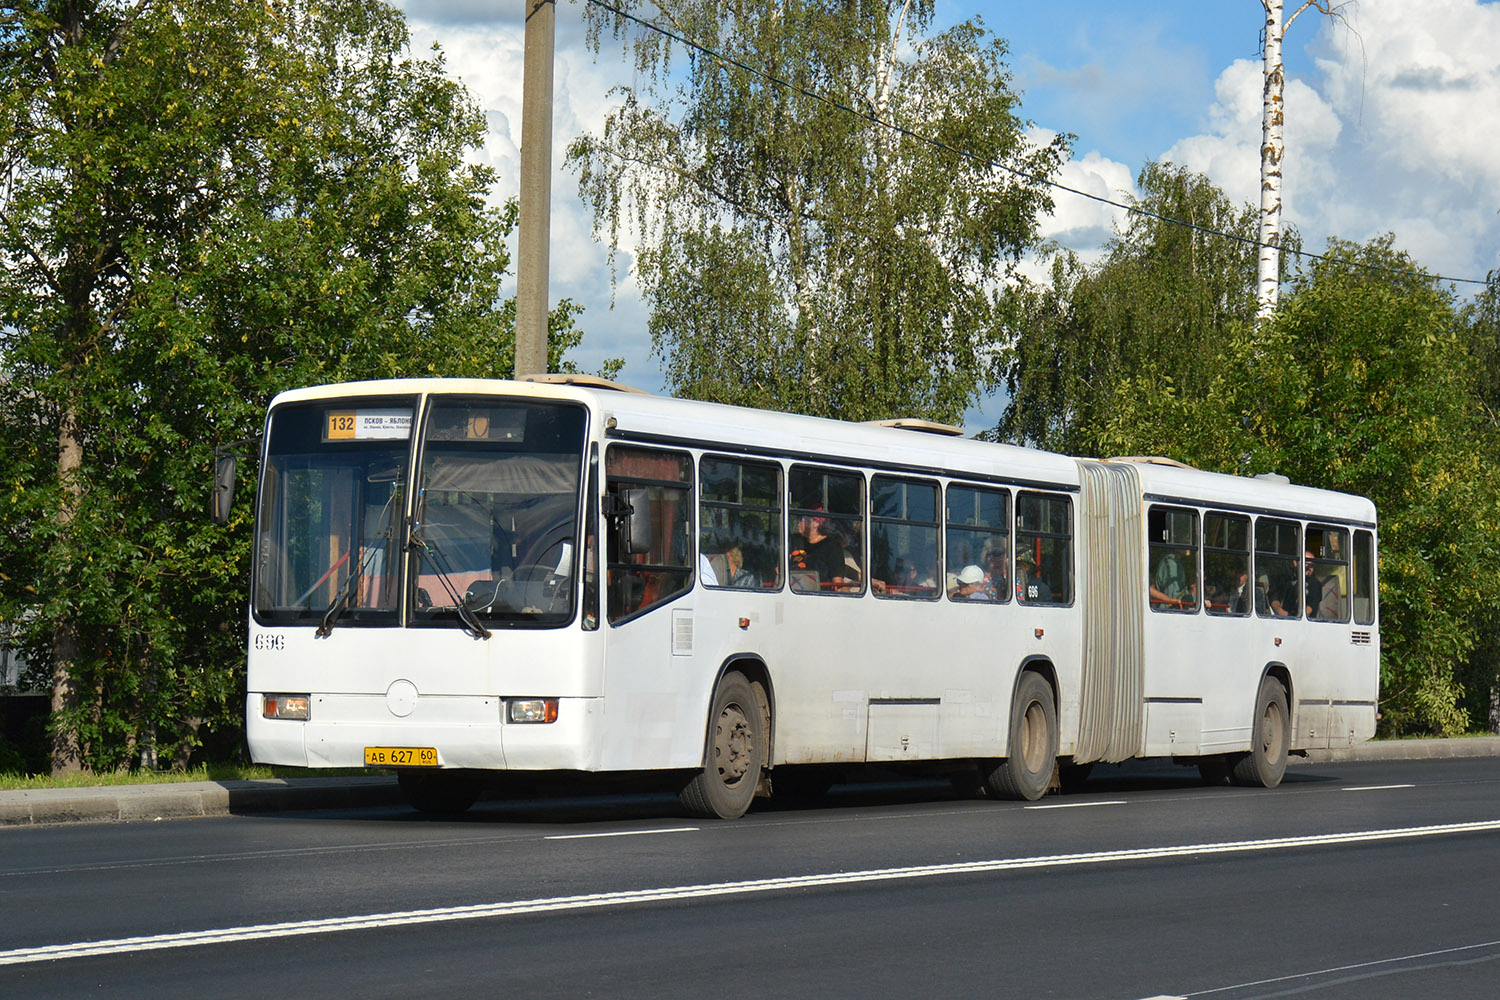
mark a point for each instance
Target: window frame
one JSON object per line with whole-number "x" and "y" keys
{"x": 1000, "y": 532}
{"x": 778, "y": 533}
{"x": 1327, "y": 562}
{"x": 1171, "y": 546}
{"x": 796, "y": 512}
{"x": 613, "y": 484}
{"x": 935, "y": 525}
{"x": 1068, "y": 562}
{"x": 1246, "y": 554}
{"x": 1276, "y": 555}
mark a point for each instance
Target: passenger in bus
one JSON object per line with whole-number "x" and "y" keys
{"x": 1283, "y": 597}
{"x": 1244, "y": 593}
{"x": 970, "y": 585}
{"x": 739, "y": 576}
{"x": 1322, "y": 592}
{"x": 1029, "y": 586}
{"x": 1172, "y": 582}
{"x": 994, "y": 573}
{"x": 815, "y": 548}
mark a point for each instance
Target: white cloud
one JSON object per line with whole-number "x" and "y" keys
{"x": 1230, "y": 153}
{"x": 485, "y": 49}
{"x": 1082, "y": 222}
{"x": 1400, "y": 133}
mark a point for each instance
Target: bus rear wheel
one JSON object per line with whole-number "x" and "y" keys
{"x": 1270, "y": 739}
{"x": 440, "y": 793}
{"x": 736, "y": 750}
{"x": 1026, "y": 772}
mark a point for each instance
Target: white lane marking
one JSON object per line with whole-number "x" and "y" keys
{"x": 1344, "y": 968}
{"x": 1375, "y": 788}
{"x": 620, "y": 833}
{"x": 259, "y": 932}
{"x": 1079, "y": 805}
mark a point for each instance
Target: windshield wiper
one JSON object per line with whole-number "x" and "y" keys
{"x": 350, "y": 585}
{"x": 341, "y": 601}
{"x": 433, "y": 556}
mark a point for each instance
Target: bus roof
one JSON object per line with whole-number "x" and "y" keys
{"x": 632, "y": 415}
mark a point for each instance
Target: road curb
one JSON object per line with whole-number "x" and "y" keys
{"x": 1469, "y": 746}
{"x": 142, "y": 803}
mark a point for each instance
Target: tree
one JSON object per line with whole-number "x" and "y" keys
{"x": 816, "y": 253}
{"x": 1362, "y": 383}
{"x": 1481, "y": 673}
{"x": 1165, "y": 297}
{"x": 200, "y": 204}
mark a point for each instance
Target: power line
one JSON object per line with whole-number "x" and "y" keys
{"x": 1023, "y": 174}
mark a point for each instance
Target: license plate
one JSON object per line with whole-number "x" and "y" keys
{"x": 401, "y": 757}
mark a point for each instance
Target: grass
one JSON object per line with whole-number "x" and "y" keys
{"x": 210, "y": 772}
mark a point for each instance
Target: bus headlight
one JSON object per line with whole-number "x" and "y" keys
{"x": 532, "y": 710}
{"x": 285, "y": 706}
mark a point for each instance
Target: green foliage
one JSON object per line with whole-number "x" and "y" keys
{"x": 1361, "y": 383}
{"x": 1163, "y": 298}
{"x": 796, "y": 254}
{"x": 206, "y": 203}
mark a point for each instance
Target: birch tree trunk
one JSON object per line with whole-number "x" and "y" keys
{"x": 1272, "y": 145}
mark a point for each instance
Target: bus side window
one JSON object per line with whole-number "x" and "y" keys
{"x": 825, "y": 543}
{"x": 1172, "y": 580}
{"x": 739, "y": 523}
{"x": 1327, "y": 597}
{"x": 1044, "y": 548}
{"x": 903, "y": 537}
{"x": 1278, "y": 567}
{"x": 1228, "y": 587}
{"x": 663, "y": 482}
{"x": 977, "y": 536}
{"x": 1364, "y": 577}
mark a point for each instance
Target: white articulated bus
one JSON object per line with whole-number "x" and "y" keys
{"x": 558, "y": 576}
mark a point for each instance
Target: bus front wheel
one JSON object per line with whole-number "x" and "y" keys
{"x": 735, "y": 754}
{"x": 1026, "y": 772}
{"x": 1270, "y": 739}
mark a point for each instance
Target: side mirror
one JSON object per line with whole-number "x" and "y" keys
{"x": 637, "y": 536}
{"x": 223, "y": 492}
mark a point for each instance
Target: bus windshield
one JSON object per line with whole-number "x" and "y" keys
{"x": 332, "y": 503}
{"x": 496, "y": 528}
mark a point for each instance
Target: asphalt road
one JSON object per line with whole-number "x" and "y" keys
{"x": 1354, "y": 879}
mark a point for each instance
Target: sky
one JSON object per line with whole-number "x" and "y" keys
{"x": 1392, "y": 125}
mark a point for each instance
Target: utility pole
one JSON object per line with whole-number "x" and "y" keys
{"x": 535, "y": 236}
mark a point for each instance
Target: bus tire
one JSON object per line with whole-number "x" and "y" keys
{"x": 1026, "y": 772}
{"x": 1270, "y": 739}
{"x": 734, "y": 755}
{"x": 440, "y": 793}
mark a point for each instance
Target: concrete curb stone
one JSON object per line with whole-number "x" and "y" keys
{"x": 136, "y": 803}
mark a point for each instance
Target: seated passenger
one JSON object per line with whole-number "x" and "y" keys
{"x": 994, "y": 573}
{"x": 970, "y": 585}
{"x": 1172, "y": 583}
{"x": 1030, "y": 587}
{"x": 815, "y": 550}
{"x": 739, "y": 576}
